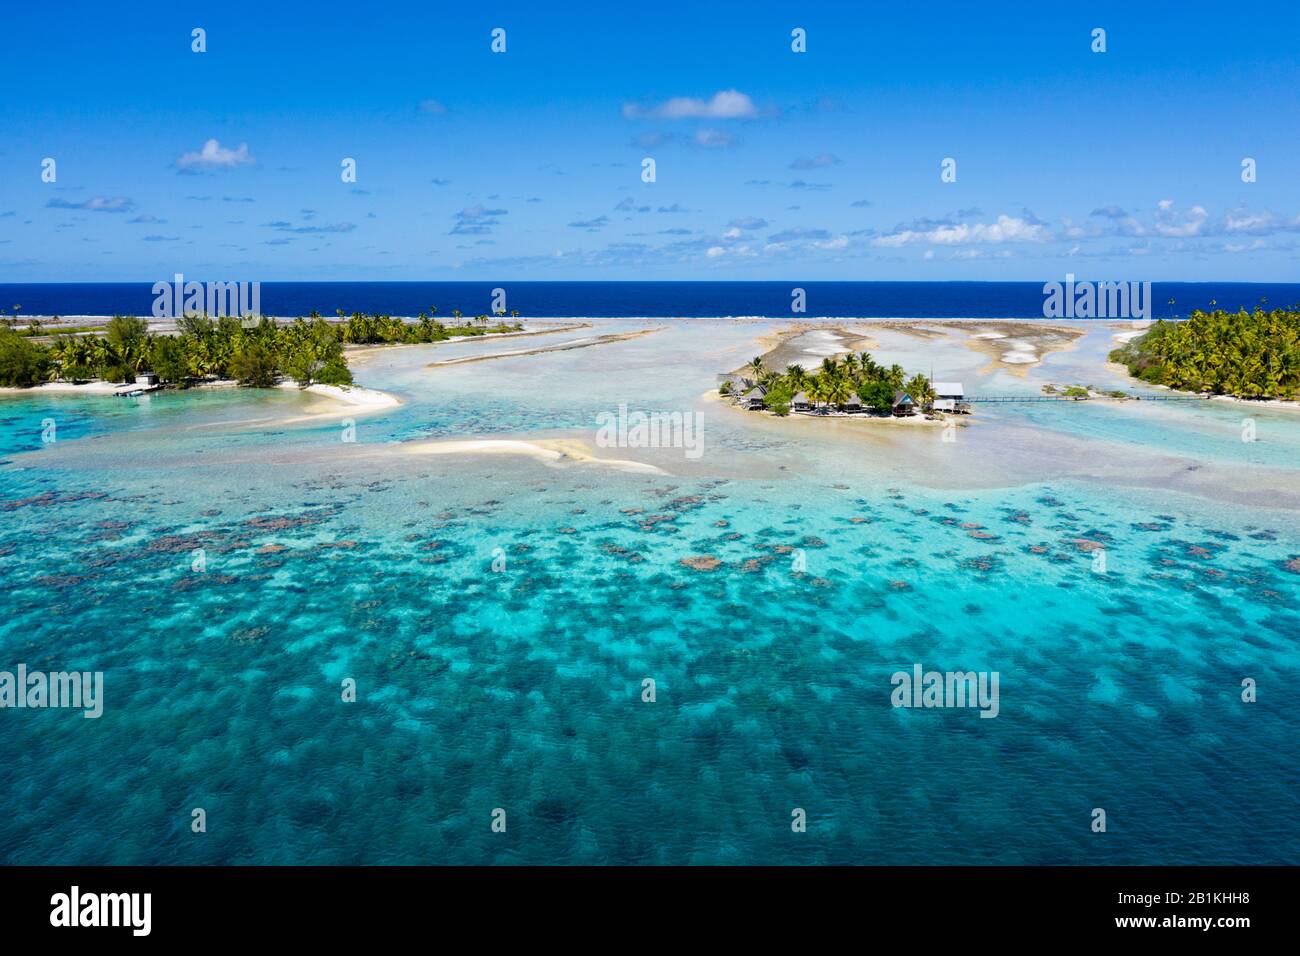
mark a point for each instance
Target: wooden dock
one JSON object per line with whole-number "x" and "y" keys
{"x": 991, "y": 399}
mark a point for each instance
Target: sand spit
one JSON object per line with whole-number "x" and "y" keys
{"x": 360, "y": 354}
{"x": 339, "y": 401}
{"x": 345, "y": 397}
{"x": 65, "y": 388}
{"x": 1273, "y": 403}
{"x": 806, "y": 344}
{"x": 1126, "y": 337}
{"x": 1015, "y": 346}
{"x": 556, "y": 451}
{"x": 605, "y": 339}
{"x": 857, "y": 339}
{"x": 353, "y": 395}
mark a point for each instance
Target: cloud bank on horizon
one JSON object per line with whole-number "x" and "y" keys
{"x": 936, "y": 143}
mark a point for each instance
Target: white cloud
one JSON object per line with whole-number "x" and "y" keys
{"x": 215, "y": 156}
{"x": 1259, "y": 223}
{"x": 1171, "y": 223}
{"x": 1235, "y": 247}
{"x": 1005, "y": 229}
{"x": 1246, "y": 222}
{"x": 725, "y": 104}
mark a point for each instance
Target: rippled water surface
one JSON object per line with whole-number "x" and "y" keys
{"x": 499, "y": 616}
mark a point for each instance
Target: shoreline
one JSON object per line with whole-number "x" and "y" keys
{"x": 352, "y": 396}
{"x": 356, "y": 396}
{"x": 552, "y": 451}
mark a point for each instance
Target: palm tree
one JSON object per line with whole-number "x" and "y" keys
{"x": 817, "y": 389}
{"x": 920, "y": 389}
{"x": 756, "y": 365}
{"x": 796, "y": 376}
{"x": 456, "y": 314}
{"x": 838, "y": 391}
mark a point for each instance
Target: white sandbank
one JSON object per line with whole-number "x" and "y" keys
{"x": 348, "y": 394}
{"x": 67, "y": 388}
{"x": 553, "y": 451}
{"x": 1259, "y": 402}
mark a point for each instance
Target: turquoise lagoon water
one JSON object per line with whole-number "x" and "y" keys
{"x": 521, "y": 688}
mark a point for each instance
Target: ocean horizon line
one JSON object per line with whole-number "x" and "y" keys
{"x": 772, "y": 299}
{"x": 696, "y": 282}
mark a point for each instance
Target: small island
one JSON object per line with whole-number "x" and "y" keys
{"x": 256, "y": 352}
{"x": 852, "y": 384}
{"x": 1246, "y": 355}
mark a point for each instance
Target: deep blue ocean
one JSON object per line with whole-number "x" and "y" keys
{"x": 930, "y": 300}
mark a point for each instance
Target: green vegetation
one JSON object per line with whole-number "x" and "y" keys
{"x": 22, "y": 363}
{"x": 1246, "y": 354}
{"x": 256, "y": 353}
{"x": 363, "y": 329}
{"x": 36, "y": 330}
{"x": 838, "y": 381}
{"x": 1084, "y": 391}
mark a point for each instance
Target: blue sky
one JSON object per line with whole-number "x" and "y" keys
{"x": 770, "y": 164}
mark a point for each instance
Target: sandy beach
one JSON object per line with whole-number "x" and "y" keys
{"x": 552, "y": 451}
{"x": 65, "y": 388}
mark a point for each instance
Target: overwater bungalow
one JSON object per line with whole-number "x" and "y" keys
{"x": 753, "y": 399}
{"x": 903, "y": 405}
{"x": 853, "y": 405}
{"x": 801, "y": 403}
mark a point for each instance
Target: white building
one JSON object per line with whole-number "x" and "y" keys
{"x": 947, "y": 395}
